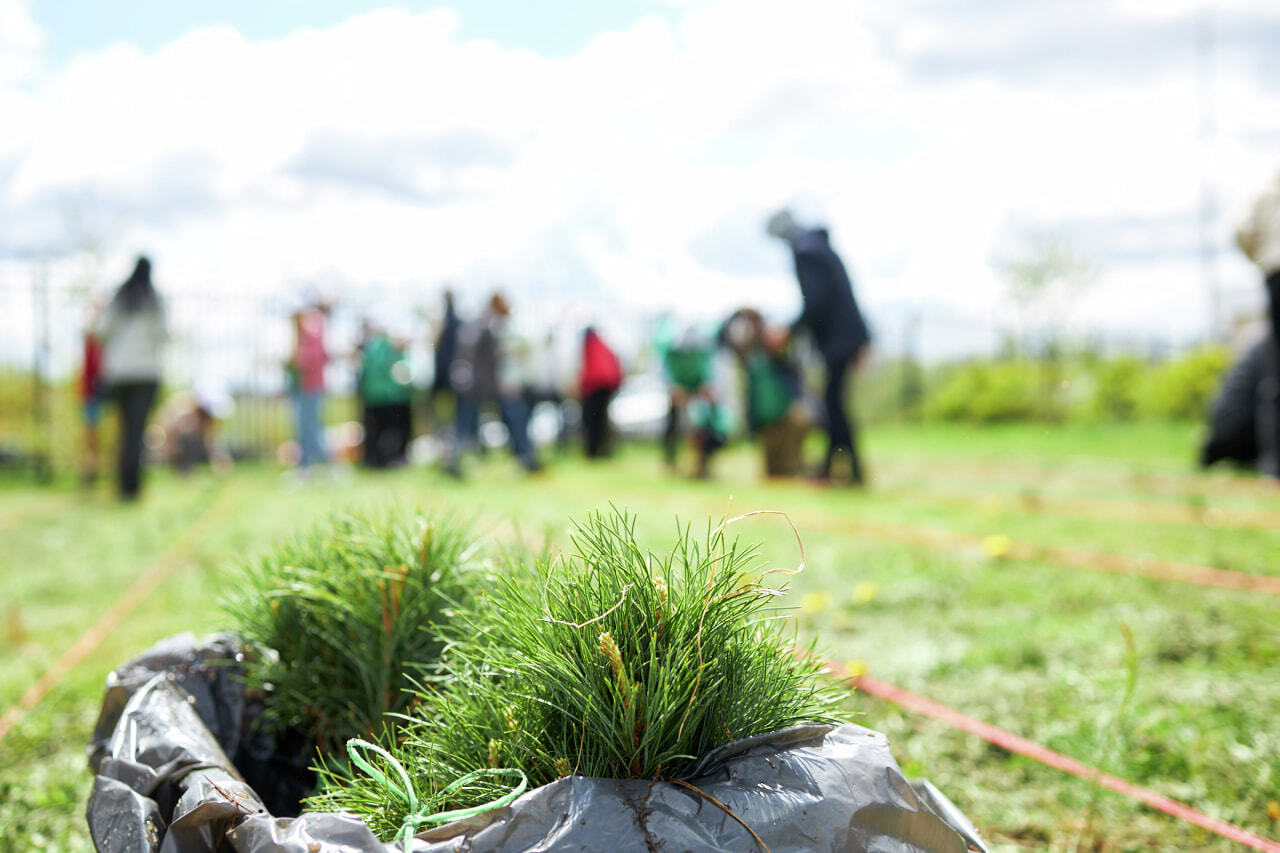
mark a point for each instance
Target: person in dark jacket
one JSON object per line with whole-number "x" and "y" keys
{"x": 445, "y": 350}
{"x": 830, "y": 314}
{"x": 479, "y": 374}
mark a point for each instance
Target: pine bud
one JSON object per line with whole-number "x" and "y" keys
{"x": 612, "y": 654}
{"x": 495, "y": 752}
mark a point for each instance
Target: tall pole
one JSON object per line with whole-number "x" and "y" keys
{"x": 1207, "y": 208}
{"x": 43, "y": 439}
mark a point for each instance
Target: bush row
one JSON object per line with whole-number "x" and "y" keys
{"x": 1080, "y": 388}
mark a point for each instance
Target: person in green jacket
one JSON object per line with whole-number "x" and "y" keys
{"x": 386, "y": 391}
{"x": 776, "y": 412}
{"x": 687, "y": 357}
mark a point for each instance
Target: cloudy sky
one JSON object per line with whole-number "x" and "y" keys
{"x": 625, "y": 153}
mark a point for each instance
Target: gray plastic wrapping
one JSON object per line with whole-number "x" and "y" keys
{"x": 166, "y": 785}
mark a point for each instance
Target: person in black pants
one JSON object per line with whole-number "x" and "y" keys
{"x": 135, "y": 400}
{"x": 133, "y": 332}
{"x": 598, "y": 381}
{"x": 1259, "y": 238}
{"x": 830, "y": 314}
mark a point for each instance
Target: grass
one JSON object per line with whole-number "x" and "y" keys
{"x": 610, "y": 661}
{"x": 1035, "y": 648}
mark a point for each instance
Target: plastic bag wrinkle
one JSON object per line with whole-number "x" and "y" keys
{"x": 167, "y": 785}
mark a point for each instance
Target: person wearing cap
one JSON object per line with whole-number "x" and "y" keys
{"x": 830, "y": 315}
{"x": 1259, "y": 238}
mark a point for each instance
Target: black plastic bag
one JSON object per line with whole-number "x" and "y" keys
{"x": 165, "y": 784}
{"x": 1241, "y": 420}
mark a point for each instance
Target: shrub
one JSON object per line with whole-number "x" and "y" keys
{"x": 1116, "y": 387}
{"x": 992, "y": 392}
{"x": 1184, "y": 387}
{"x": 609, "y": 662}
{"x": 342, "y": 616}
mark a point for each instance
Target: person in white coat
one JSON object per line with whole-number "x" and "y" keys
{"x": 133, "y": 333}
{"x": 1259, "y": 238}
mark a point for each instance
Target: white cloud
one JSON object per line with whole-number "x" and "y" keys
{"x": 636, "y": 171}
{"x": 20, "y": 42}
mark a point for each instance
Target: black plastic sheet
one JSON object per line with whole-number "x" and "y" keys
{"x": 165, "y": 784}
{"x": 1241, "y": 422}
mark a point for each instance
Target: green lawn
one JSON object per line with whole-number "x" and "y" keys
{"x": 1035, "y": 648}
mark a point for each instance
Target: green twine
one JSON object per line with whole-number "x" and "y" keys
{"x": 414, "y": 817}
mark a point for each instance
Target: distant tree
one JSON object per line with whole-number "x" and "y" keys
{"x": 1045, "y": 275}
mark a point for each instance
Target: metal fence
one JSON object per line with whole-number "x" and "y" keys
{"x": 232, "y": 343}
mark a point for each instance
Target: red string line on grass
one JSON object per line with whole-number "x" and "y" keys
{"x": 1037, "y": 752}
{"x": 143, "y": 586}
{"x": 1076, "y": 558}
{"x": 1196, "y": 487}
{"x": 1035, "y": 503}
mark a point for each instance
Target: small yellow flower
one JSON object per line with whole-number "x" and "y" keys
{"x": 855, "y": 667}
{"x": 865, "y": 592}
{"x": 997, "y": 546}
{"x": 815, "y": 602}
{"x": 1273, "y": 811}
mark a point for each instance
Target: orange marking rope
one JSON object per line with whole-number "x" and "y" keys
{"x": 1036, "y": 503}
{"x": 1037, "y": 752}
{"x": 143, "y": 586}
{"x": 1076, "y": 558}
{"x": 1164, "y": 484}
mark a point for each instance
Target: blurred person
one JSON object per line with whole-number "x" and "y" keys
{"x": 1259, "y": 238}
{"x": 775, "y": 394}
{"x": 687, "y": 357}
{"x": 133, "y": 332}
{"x": 383, "y": 384}
{"x": 305, "y": 379}
{"x": 480, "y": 375}
{"x": 93, "y": 392}
{"x": 444, "y": 350}
{"x": 545, "y": 384}
{"x": 830, "y": 314}
{"x": 598, "y": 381}
{"x": 191, "y": 431}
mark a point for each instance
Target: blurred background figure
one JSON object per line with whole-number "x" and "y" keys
{"x": 444, "y": 350}
{"x": 598, "y": 381}
{"x": 93, "y": 392}
{"x": 304, "y": 373}
{"x": 830, "y": 314}
{"x": 775, "y": 397}
{"x": 1243, "y": 413}
{"x": 545, "y": 385}
{"x": 687, "y": 357}
{"x": 190, "y": 423}
{"x": 1259, "y": 238}
{"x": 385, "y": 390}
{"x": 133, "y": 333}
{"x": 481, "y": 376}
